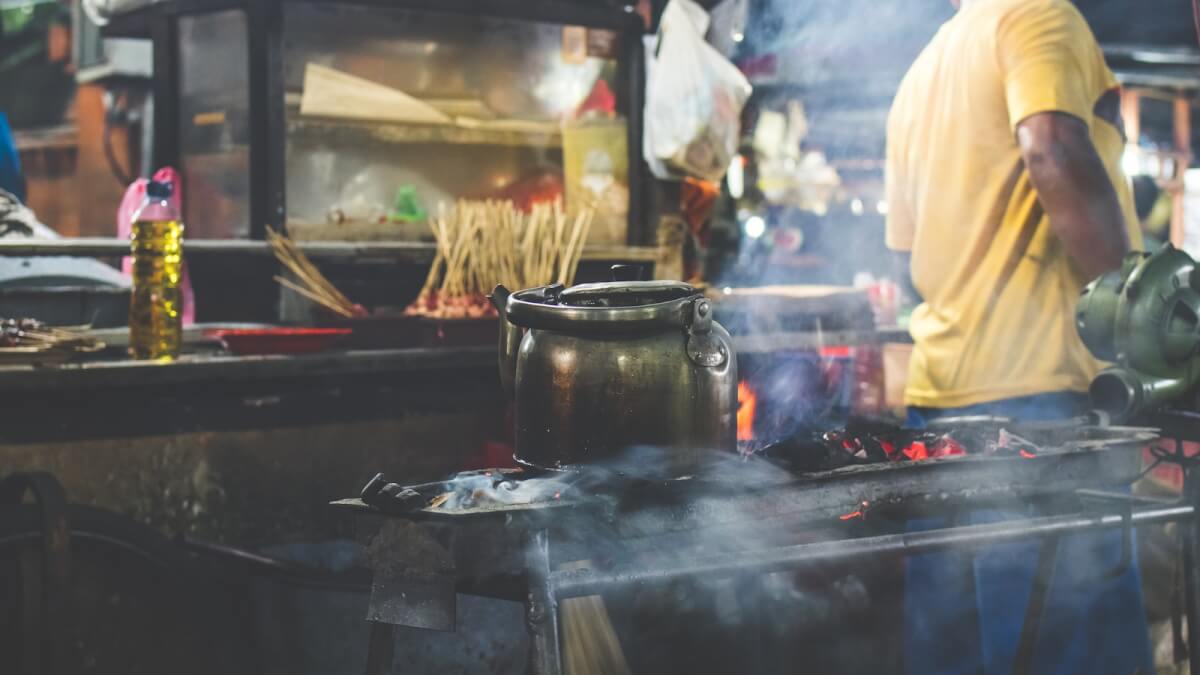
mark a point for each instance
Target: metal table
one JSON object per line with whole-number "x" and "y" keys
{"x": 515, "y": 551}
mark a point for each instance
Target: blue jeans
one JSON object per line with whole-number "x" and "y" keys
{"x": 963, "y": 610}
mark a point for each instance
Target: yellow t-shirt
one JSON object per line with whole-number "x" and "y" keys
{"x": 999, "y": 290}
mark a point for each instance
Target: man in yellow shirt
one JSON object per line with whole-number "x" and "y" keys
{"x": 1005, "y": 193}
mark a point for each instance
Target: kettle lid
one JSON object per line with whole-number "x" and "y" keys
{"x": 624, "y": 293}
{"x": 612, "y": 306}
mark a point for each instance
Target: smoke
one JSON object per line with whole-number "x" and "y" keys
{"x": 471, "y": 490}
{"x": 1116, "y": 22}
{"x": 635, "y": 509}
{"x": 845, "y": 58}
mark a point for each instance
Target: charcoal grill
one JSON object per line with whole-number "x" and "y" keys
{"x": 514, "y": 551}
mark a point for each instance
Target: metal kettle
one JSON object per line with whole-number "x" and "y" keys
{"x": 597, "y": 369}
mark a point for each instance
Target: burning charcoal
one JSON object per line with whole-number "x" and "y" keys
{"x": 805, "y": 453}
{"x": 373, "y": 487}
{"x": 916, "y": 451}
{"x": 858, "y": 513}
{"x": 1009, "y": 444}
{"x": 946, "y": 446}
{"x": 875, "y": 448}
{"x": 391, "y": 497}
{"x": 869, "y": 441}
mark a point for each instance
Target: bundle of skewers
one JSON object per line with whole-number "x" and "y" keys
{"x": 484, "y": 243}
{"x": 308, "y": 281}
{"x": 29, "y": 340}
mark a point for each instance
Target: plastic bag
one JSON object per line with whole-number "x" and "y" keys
{"x": 694, "y": 99}
{"x": 129, "y": 204}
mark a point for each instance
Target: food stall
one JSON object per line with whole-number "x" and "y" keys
{"x": 354, "y": 429}
{"x": 347, "y": 128}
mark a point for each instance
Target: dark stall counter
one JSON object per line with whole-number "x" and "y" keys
{"x": 249, "y": 450}
{"x": 199, "y": 369}
{"x": 202, "y": 392}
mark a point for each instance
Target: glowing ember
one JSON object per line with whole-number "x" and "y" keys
{"x": 1027, "y": 454}
{"x": 916, "y": 451}
{"x": 747, "y": 400}
{"x": 861, "y": 512}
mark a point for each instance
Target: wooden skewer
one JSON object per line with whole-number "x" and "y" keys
{"x": 482, "y": 243}
{"x": 591, "y": 646}
{"x": 568, "y": 254}
{"x": 313, "y": 284}
{"x": 586, "y": 229}
{"x": 315, "y": 297}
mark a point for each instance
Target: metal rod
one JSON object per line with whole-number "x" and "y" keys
{"x": 381, "y": 646}
{"x": 541, "y": 609}
{"x": 1191, "y": 574}
{"x": 1047, "y": 556}
{"x": 1178, "y": 644}
{"x": 413, "y": 251}
{"x": 1123, "y": 498}
{"x": 574, "y": 583}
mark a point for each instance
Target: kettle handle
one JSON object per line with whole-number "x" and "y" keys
{"x": 509, "y": 341}
{"x": 704, "y": 348}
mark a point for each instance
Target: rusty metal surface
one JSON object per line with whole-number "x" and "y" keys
{"x": 575, "y": 583}
{"x": 541, "y": 609}
{"x": 414, "y": 576}
{"x": 256, "y": 487}
{"x": 54, "y": 634}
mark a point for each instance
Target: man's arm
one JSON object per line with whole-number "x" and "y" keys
{"x": 1074, "y": 189}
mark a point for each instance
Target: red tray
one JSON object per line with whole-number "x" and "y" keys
{"x": 247, "y": 341}
{"x": 399, "y": 331}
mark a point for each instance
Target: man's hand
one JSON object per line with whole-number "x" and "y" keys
{"x": 1074, "y": 189}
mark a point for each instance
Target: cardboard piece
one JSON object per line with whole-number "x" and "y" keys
{"x": 332, "y": 93}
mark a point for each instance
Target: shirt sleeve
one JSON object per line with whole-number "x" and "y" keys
{"x": 1047, "y": 58}
{"x": 900, "y": 229}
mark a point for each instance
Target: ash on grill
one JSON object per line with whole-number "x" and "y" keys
{"x": 470, "y": 490}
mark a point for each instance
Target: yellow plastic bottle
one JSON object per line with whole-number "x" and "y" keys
{"x": 155, "y": 307}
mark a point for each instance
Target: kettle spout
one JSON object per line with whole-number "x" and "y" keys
{"x": 510, "y": 341}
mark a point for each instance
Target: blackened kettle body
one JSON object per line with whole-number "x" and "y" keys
{"x": 599, "y": 369}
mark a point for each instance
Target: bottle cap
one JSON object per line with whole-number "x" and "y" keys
{"x": 158, "y": 189}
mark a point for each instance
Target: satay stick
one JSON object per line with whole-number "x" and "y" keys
{"x": 315, "y": 297}
{"x": 293, "y": 258}
{"x": 586, "y": 229}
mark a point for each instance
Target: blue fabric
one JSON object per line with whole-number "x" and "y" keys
{"x": 964, "y": 610}
{"x": 10, "y": 164}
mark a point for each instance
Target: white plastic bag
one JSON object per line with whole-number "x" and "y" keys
{"x": 694, "y": 98}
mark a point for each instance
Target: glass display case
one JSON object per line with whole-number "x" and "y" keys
{"x": 214, "y": 115}
{"x": 354, "y": 121}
